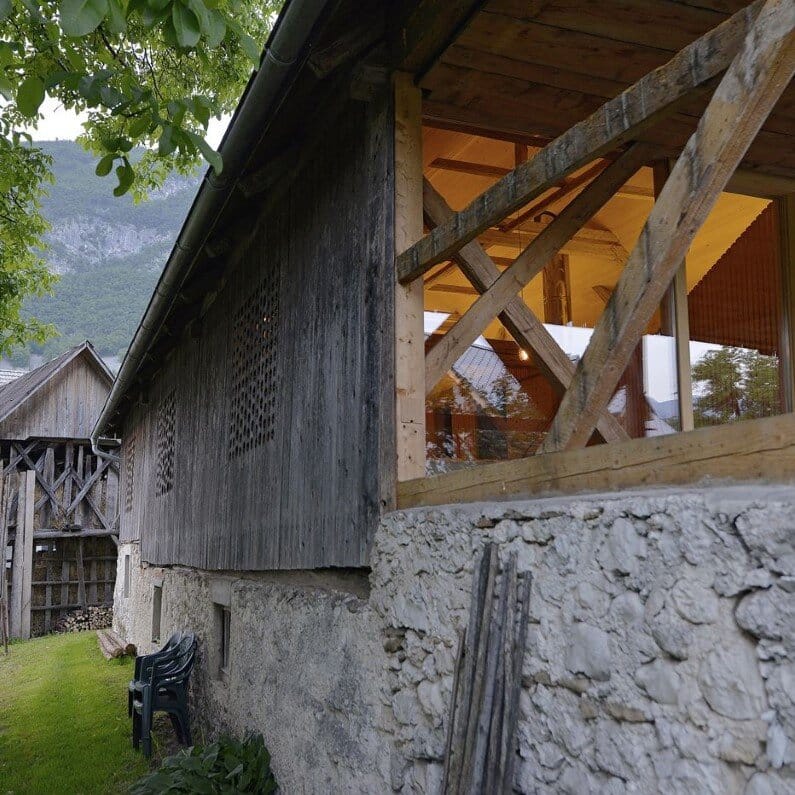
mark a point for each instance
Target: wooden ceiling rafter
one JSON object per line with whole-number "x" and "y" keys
{"x": 758, "y": 74}
{"x": 420, "y": 32}
{"x": 619, "y": 120}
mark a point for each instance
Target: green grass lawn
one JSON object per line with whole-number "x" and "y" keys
{"x": 63, "y": 719}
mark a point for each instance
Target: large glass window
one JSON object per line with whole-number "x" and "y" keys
{"x": 710, "y": 355}
{"x": 735, "y": 313}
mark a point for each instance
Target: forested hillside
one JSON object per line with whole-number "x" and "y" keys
{"x": 108, "y": 252}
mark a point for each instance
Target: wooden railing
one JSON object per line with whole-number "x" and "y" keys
{"x": 756, "y": 50}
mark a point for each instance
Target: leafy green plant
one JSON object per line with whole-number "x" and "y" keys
{"x": 145, "y": 75}
{"x": 226, "y": 767}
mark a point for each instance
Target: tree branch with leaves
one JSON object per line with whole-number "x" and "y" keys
{"x": 148, "y": 74}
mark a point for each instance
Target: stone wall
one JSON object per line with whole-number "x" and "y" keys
{"x": 661, "y": 656}
{"x": 305, "y": 669}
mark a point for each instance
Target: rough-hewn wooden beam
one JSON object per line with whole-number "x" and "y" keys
{"x": 468, "y": 167}
{"x": 524, "y": 326}
{"x": 741, "y": 103}
{"x": 530, "y": 263}
{"x": 47, "y": 533}
{"x": 618, "y": 120}
{"x": 419, "y": 31}
{"x": 761, "y": 449}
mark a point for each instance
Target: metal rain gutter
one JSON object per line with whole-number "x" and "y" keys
{"x": 285, "y": 45}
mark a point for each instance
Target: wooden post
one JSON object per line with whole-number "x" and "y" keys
{"x": 3, "y": 546}
{"x": 81, "y": 575}
{"x": 676, "y": 321}
{"x": 22, "y": 564}
{"x": 409, "y": 303}
{"x": 786, "y": 205}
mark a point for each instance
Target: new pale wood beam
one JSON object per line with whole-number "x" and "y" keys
{"x": 741, "y": 103}
{"x": 530, "y": 263}
{"x": 528, "y": 331}
{"x": 409, "y": 317}
{"x": 617, "y": 121}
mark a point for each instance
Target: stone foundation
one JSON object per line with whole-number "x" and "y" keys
{"x": 661, "y": 653}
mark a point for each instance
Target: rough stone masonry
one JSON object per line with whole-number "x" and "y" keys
{"x": 661, "y": 655}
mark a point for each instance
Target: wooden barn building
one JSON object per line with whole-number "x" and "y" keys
{"x": 464, "y": 252}
{"x": 60, "y": 515}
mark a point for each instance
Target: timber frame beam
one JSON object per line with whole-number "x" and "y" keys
{"x": 618, "y": 121}
{"x": 528, "y": 331}
{"x": 745, "y": 97}
{"x": 750, "y": 58}
{"x": 762, "y": 449}
{"x": 530, "y": 263}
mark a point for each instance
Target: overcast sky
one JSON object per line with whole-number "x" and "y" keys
{"x": 65, "y": 125}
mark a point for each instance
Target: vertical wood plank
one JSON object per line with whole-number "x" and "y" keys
{"x": 48, "y": 605}
{"x": 676, "y": 320}
{"x": 66, "y": 570}
{"x": 409, "y": 301}
{"x": 92, "y": 581}
{"x": 23, "y": 557}
{"x": 81, "y": 574}
{"x": 50, "y": 509}
{"x": 786, "y": 210}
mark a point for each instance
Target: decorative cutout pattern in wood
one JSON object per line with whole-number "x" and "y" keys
{"x": 255, "y": 369}
{"x": 165, "y": 445}
{"x": 129, "y": 473}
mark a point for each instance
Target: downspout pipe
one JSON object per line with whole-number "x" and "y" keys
{"x": 286, "y": 45}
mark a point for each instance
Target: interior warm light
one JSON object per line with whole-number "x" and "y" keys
{"x": 524, "y": 355}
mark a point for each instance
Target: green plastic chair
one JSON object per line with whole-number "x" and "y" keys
{"x": 166, "y": 691}
{"x": 144, "y": 663}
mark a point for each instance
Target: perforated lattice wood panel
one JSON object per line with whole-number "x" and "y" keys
{"x": 255, "y": 369}
{"x": 129, "y": 473}
{"x": 165, "y": 444}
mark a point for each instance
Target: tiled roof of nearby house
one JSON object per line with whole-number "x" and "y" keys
{"x": 14, "y": 393}
{"x": 7, "y": 376}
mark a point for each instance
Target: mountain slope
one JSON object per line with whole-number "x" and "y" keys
{"x": 108, "y": 251}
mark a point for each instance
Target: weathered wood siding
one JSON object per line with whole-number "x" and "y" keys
{"x": 67, "y": 407}
{"x": 277, "y": 421}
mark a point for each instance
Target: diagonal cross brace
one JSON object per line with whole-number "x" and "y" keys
{"x": 528, "y": 331}
{"x": 619, "y": 120}
{"x": 530, "y": 263}
{"x": 745, "y": 97}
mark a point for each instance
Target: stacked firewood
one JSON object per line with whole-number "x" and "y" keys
{"x": 92, "y": 617}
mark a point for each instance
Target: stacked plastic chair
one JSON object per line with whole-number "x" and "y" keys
{"x": 161, "y": 685}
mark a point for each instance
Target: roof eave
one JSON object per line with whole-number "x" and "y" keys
{"x": 284, "y": 51}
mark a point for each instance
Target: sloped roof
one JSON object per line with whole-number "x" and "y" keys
{"x": 17, "y": 392}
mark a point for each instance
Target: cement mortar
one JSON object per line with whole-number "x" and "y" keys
{"x": 661, "y": 653}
